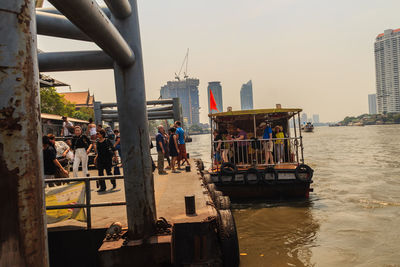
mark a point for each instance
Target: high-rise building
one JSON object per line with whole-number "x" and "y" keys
{"x": 372, "y": 103}
{"x": 387, "y": 56}
{"x": 315, "y": 118}
{"x": 188, "y": 93}
{"x": 246, "y": 96}
{"x": 303, "y": 118}
{"x": 216, "y": 89}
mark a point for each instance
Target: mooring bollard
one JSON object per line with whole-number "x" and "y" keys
{"x": 190, "y": 205}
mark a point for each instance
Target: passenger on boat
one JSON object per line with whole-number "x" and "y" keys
{"x": 241, "y": 152}
{"x": 268, "y": 146}
{"x": 279, "y": 144}
{"x": 217, "y": 146}
{"x": 225, "y": 145}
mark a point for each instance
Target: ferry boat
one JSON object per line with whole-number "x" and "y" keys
{"x": 242, "y": 167}
{"x": 308, "y": 127}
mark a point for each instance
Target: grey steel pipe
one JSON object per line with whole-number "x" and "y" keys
{"x": 119, "y": 8}
{"x": 108, "y": 105}
{"x": 23, "y": 240}
{"x": 160, "y": 101}
{"x": 131, "y": 99}
{"x": 164, "y": 108}
{"x": 52, "y": 10}
{"x": 88, "y": 16}
{"x": 155, "y": 115}
{"x": 58, "y": 26}
{"x": 76, "y": 60}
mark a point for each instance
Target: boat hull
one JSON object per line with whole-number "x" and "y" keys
{"x": 250, "y": 188}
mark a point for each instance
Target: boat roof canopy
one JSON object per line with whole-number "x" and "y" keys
{"x": 267, "y": 114}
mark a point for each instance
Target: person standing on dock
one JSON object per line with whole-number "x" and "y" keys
{"x": 173, "y": 149}
{"x": 81, "y": 145}
{"x": 50, "y": 162}
{"x": 68, "y": 128}
{"x": 160, "y": 144}
{"x": 181, "y": 144}
{"x": 91, "y": 130}
{"x": 105, "y": 151}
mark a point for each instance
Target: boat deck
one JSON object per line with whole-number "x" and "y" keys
{"x": 280, "y": 166}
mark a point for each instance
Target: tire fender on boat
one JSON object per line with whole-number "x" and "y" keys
{"x": 228, "y": 169}
{"x": 269, "y": 170}
{"x": 303, "y": 168}
{"x": 251, "y": 171}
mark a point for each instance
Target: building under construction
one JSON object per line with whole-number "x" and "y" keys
{"x": 188, "y": 92}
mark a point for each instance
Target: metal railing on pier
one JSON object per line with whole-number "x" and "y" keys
{"x": 88, "y": 205}
{"x": 257, "y": 152}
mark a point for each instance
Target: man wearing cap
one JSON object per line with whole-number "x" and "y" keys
{"x": 68, "y": 128}
{"x": 268, "y": 146}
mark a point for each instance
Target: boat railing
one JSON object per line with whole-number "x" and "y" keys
{"x": 257, "y": 152}
{"x": 88, "y": 205}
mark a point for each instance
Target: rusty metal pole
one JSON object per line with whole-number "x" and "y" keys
{"x": 135, "y": 143}
{"x": 23, "y": 239}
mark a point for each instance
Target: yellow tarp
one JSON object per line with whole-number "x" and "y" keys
{"x": 73, "y": 193}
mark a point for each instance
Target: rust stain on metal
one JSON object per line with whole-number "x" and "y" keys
{"x": 22, "y": 237}
{"x": 7, "y": 121}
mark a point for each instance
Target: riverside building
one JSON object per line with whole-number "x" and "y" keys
{"x": 216, "y": 90}
{"x": 387, "y": 56}
{"x": 372, "y": 103}
{"x": 246, "y": 96}
{"x": 188, "y": 92}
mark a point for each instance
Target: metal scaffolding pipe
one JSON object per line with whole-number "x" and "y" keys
{"x": 149, "y": 110}
{"x": 114, "y": 114}
{"x": 169, "y": 107}
{"x": 119, "y": 8}
{"x": 58, "y": 26}
{"x": 160, "y": 102}
{"x": 52, "y": 10}
{"x": 88, "y": 16}
{"x": 131, "y": 100}
{"x": 76, "y": 60}
{"x": 108, "y": 105}
{"x": 23, "y": 240}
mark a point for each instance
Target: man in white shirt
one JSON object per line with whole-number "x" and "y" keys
{"x": 68, "y": 128}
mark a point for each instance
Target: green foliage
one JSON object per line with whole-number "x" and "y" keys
{"x": 195, "y": 128}
{"x": 83, "y": 113}
{"x": 53, "y": 103}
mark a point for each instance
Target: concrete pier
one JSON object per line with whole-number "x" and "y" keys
{"x": 192, "y": 238}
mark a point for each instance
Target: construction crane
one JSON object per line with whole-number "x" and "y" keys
{"x": 185, "y": 62}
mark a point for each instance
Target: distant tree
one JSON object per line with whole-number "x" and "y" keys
{"x": 83, "y": 113}
{"x": 196, "y": 128}
{"x": 53, "y": 103}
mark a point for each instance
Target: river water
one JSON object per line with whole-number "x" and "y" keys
{"x": 351, "y": 219}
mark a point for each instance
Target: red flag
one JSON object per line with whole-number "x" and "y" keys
{"x": 213, "y": 105}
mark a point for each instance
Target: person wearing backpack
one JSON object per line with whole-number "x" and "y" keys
{"x": 105, "y": 151}
{"x": 81, "y": 145}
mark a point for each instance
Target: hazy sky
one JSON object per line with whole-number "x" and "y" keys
{"x": 314, "y": 54}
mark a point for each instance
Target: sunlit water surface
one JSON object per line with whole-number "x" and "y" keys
{"x": 351, "y": 219}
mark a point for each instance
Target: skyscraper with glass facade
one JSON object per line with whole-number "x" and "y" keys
{"x": 246, "y": 96}
{"x": 387, "y": 57}
{"x": 188, "y": 93}
{"x": 216, "y": 90}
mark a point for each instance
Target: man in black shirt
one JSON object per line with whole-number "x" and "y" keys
{"x": 50, "y": 162}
